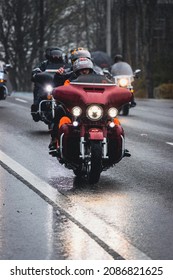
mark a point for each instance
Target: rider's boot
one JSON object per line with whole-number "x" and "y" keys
{"x": 34, "y": 112}
{"x": 54, "y": 148}
{"x": 127, "y": 153}
{"x": 133, "y": 103}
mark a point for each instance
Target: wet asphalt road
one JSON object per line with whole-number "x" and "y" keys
{"x": 127, "y": 215}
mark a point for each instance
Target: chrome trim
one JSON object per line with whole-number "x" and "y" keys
{"x": 82, "y": 148}
{"x": 123, "y": 146}
{"x": 39, "y": 107}
{"x": 105, "y": 148}
{"x": 53, "y": 106}
{"x": 61, "y": 145}
{"x": 93, "y": 84}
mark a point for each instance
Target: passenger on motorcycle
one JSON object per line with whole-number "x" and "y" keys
{"x": 82, "y": 52}
{"x": 119, "y": 67}
{"x": 64, "y": 74}
{"x": 82, "y": 66}
{"x": 54, "y": 60}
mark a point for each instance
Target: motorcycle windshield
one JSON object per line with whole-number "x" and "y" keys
{"x": 91, "y": 89}
{"x": 3, "y": 76}
{"x": 121, "y": 68}
{"x": 92, "y": 79}
{"x": 44, "y": 78}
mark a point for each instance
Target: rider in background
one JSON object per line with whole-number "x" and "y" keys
{"x": 54, "y": 60}
{"x": 120, "y": 67}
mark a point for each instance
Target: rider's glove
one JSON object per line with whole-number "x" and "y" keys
{"x": 34, "y": 73}
{"x": 60, "y": 71}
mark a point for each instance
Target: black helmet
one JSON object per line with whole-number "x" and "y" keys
{"x": 118, "y": 58}
{"x": 54, "y": 54}
{"x": 82, "y": 63}
{"x": 79, "y": 52}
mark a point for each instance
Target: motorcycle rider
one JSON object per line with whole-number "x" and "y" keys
{"x": 118, "y": 69}
{"x": 4, "y": 68}
{"x": 78, "y": 53}
{"x": 54, "y": 60}
{"x": 81, "y": 66}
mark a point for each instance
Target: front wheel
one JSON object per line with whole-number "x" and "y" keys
{"x": 3, "y": 93}
{"x": 95, "y": 165}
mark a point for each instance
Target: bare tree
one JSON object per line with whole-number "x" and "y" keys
{"x": 18, "y": 25}
{"x": 140, "y": 29}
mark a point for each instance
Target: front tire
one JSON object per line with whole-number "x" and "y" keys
{"x": 3, "y": 93}
{"x": 78, "y": 172}
{"x": 96, "y": 162}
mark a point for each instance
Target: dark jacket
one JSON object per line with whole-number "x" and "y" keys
{"x": 46, "y": 64}
{"x": 59, "y": 79}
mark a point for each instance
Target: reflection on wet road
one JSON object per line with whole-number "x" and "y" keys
{"x": 47, "y": 213}
{"x": 115, "y": 245}
{"x": 27, "y": 225}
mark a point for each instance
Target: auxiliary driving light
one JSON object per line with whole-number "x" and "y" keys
{"x": 75, "y": 123}
{"x": 111, "y": 124}
{"x": 112, "y": 112}
{"x": 76, "y": 111}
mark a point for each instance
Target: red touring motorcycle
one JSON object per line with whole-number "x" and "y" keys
{"x": 92, "y": 140}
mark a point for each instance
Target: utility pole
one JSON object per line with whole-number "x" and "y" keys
{"x": 41, "y": 29}
{"x": 108, "y": 28}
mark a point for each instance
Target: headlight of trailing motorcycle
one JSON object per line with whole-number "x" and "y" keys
{"x": 76, "y": 111}
{"x": 112, "y": 112}
{"x": 123, "y": 82}
{"x": 94, "y": 112}
{"x": 49, "y": 88}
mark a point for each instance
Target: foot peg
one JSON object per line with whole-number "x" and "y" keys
{"x": 54, "y": 153}
{"x": 127, "y": 153}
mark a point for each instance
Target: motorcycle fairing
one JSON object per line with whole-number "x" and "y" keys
{"x": 81, "y": 94}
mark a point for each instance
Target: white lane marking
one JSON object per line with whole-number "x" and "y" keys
{"x": 21, "y": 100}
{"x": 169, "y": 143}
{"x": 79, "y": 215}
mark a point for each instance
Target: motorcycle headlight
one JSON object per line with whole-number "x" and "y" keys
{"x": 112, "y": 112}
{"x": 123, "y": 82}
{"x": 49, "y": 88}
{"x": 76, "y": 111}
{"x": 94, "y": 112}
